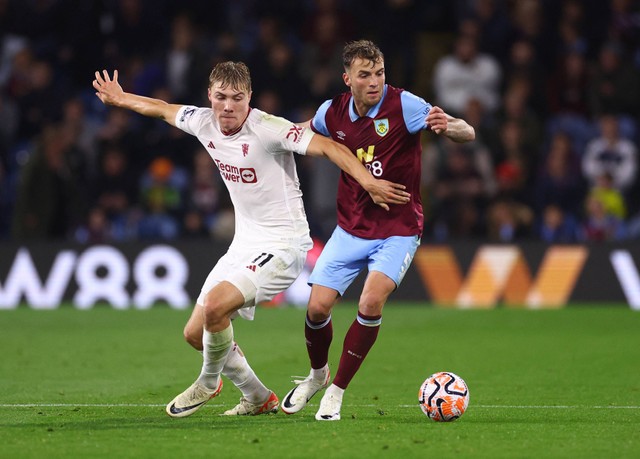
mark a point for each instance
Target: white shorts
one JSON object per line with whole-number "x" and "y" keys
{"x": 259, "y": 275}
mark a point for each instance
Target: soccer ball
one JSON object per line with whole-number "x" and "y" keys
{"x": 443, "y": 396}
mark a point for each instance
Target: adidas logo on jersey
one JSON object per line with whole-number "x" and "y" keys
{"x": 211, "y": 145}
{"x": 251, "y": 267}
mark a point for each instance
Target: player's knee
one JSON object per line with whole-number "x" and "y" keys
{"x": 193, "y": 337}
{"x": 213, "y": 313}
{"x": 371, "y": 305}
{"x": 318, "y": 311}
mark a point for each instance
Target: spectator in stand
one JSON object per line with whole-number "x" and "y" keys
{"x": 571, "y": 28}
{"x": 513, "y": 164}
{"x": 494, "y": 25}
{"x": 531, "y": 22}
{"x": 615, "y": 85}
{"x": 525, "y": 76}
{"x": 459, "y": 181}
{"x": 483, "y": 123}
{"x": 599, "y": 225}
{"x": 567, "y": 87}
{"x": 321, "y": 54}
{"x": 623, "y": 25}
{"x": 161, "y": 140}
{"x": 458, "y": 188}
{"x": 467, "y": 74}
{"x": 508, "y": 220}
{"x": 162, "y": 190}
{"x": 49, "y": 201}
{"x": 135, "y": 27}
{"x": 515, "y": 109}
{"x": 114, "y": 192}
{"x": 398, "y": 24}
{"x": 185, "y": 60}
{"x": 119, "y": 128}
{"x": 41, "y": 101}
{"x": 84, "y": 130}
{"x": 96, "y": 229}
{"x": 559, "y": 182}
{"x": 610, "y": 153}
{"x": 556, "y": 226}
{"x": 567, "y": 94}
{"x": 610, "y": 197}
{"x": 280, "y": 75}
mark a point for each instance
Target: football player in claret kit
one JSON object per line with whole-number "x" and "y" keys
{"x": 381, "y": 125}
{"x": 254, "y": 153}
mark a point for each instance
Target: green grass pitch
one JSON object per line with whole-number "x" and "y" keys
{"x": 93, "y": 384}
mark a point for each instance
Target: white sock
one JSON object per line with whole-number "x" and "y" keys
{"x": 237, "y": 369}
{"x": 334, "y": 390}
{"x": 321, "y": 373}
{"x": 216, "y": 347}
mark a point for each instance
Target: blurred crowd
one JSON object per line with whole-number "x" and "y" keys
{"x": 552, "y": 88}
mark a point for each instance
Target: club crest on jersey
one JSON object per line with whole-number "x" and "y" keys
{"x": 245, "y": 149}
{"x": 187, "y": 113}
{"x": 382, "y": 126}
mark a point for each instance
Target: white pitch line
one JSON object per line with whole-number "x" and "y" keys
{"x": 147, "y": 405}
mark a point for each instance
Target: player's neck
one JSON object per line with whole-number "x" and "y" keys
{"x": 361, "y": 108}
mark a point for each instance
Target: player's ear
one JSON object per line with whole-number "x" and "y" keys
{"x": 346, "y": 79}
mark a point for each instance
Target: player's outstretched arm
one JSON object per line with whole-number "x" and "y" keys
{"x": 454, "y": 128}
{"x": 382, "y": 192}
{"x": 110, "y": 92}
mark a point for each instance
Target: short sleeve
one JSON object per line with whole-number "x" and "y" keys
{"x": 318, "y": 123}
{"x": 281, "y": 135}
{"x": 414, "y": 111}
{"x": 190, "y": 119}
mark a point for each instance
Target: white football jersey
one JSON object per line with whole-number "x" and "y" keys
{"x": 259, "y": 170}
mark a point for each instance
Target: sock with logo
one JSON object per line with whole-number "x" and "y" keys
{"x": 357, "y": 343}
{"x": 318, "y": 336}
{"x": 237, "y": 369}
{"x": 216, "y": 348}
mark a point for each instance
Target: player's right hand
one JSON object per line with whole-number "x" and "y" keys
{"x": 108, "y": 90}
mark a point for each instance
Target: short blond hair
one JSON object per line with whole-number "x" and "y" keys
{"x": 233, "y": 74}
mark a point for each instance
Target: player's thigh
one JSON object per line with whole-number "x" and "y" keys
{"x": 393, "y": 256}
{"x": 258, "y": 274}
{"x": 223, "y": 300}
{"x": 275, "y": 271}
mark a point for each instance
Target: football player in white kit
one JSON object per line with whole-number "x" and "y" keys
{"x": 253, "y": 151}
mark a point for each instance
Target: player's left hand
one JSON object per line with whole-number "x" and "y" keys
{"x": 383, "y": 193}
{"x": 437, "y": 120}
